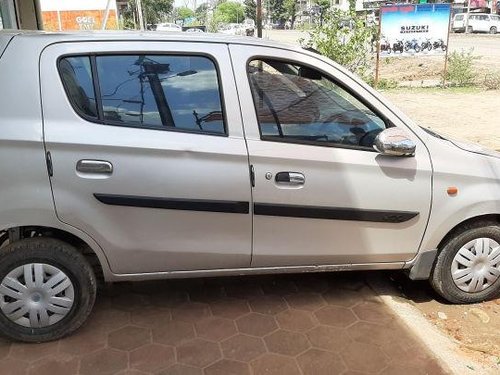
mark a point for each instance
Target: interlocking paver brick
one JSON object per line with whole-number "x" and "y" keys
{"x": 305, "y": 301}
{"x": 54, "y": 365}
{"x": 286, "y": 342}
{"x": 364, "y": 357}
{"x": 256, "y": 324}
{"x": 290, "y": 325}
{"x": 228, "y": 367}
{"x": 320, "y": 362}
{"x": 274, "y": 364}
{"x": 295, "y": 320}
{"x": 129, "y": 338}
{"x": 173, "y": 333}
{"x": 229, "y": 308}
{"x": 268, "y": 304}
{"x": 215, "y": 328}
{"x": 335, "y": 316}
{"x": 152, "y": 357}
{"x": 198, "y": 353}
{"x": 328, "y": 338}
{"x": 103, "y": 361}
{"x": 243, "y": 348}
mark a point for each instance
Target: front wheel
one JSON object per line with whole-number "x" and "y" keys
{"x": 467, "y": 269}
{"x": 47, "y": 289}
{"x": 493, "y": 30}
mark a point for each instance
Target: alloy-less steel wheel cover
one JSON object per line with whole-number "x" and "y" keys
{"x": 476, "y": 266}
{"x": 36, "y": 295}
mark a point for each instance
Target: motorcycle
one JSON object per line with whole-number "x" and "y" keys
{"x": 385, "y": 46}
{"x": 439, "y": 44}
{"x": 398, "y": 46}
{"x": 426, "y": 45}
{"x": 412, "y": 44}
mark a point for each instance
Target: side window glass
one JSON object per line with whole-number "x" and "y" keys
{"x": 161, "y": 91}
{"x": 295, "y": 103}
{"x": 76, "y": 74}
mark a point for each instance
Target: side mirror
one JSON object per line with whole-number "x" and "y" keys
{"x": 395, "y": 142}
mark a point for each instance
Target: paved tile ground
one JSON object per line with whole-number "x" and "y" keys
{"x": 289, "y": 324}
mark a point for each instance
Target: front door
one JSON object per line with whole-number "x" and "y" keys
{"x": 148, "y": 152}
{"x": 322, "y": 194}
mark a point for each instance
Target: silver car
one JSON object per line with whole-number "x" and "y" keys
{"x": 148, "y": 156}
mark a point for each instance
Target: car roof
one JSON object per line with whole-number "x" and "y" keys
{"x": 47, "y": 38}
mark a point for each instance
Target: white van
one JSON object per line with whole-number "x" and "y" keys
{"x": 478, "y": 22}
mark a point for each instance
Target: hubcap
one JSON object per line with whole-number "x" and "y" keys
{"x": 36, "y": 295}
{"x": 476, "y": 266}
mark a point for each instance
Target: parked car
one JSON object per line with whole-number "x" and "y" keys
{"x": 168, "y": 27}
{"x": 142, "y": 156}
{"x": 478, "y": 22}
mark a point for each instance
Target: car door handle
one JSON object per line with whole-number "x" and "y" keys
{"x": 290, "y": 178}
{"x": 94, "y": 166}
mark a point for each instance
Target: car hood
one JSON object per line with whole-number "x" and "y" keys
{"x": 475, "y": 148}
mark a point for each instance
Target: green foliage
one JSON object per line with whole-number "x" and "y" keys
{"x": 229, "y": 12}
{"x": 492, "y": 81}
{"x": 183, "y": 13}
{"x": 201, "y": 13}
{"x": 154, "y": 11}
{"x": 344, "y": 38}
{"x": 461, "y": 68}
{"x": 250, "y": 9}
{"x": 324, "y": 5}
{"x": 277, "y": 10}
{"x": 386, "y": 84}
{"x": 291, "y": 8}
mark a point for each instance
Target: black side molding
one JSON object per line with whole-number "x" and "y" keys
{"x": 234, "y": 207}
{"x": 333, "y": 213}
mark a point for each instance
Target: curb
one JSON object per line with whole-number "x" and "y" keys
{"x": 443, "y": 347}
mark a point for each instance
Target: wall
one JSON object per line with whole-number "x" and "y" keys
{"x": 77, "y": 14}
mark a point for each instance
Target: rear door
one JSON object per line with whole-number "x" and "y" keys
{"x": 148, "y": 152}
{"x": 322, "y": 194}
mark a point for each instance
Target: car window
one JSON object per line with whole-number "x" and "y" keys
{"x": 161, "y": 91}
{"x": 76, "y": 74}
{"x": 495, "y": 18}
{"x": 459, "y": 17}
{"x": 295, "y": 103}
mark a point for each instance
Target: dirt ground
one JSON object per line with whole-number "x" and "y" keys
{"x": 467, "y": 114}
{"x": 471, "y": 115}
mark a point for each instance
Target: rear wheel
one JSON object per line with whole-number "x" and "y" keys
{"x": 467, "y": 269}
{"x": 493, "y": 30}
{"x": 47, "y": 289}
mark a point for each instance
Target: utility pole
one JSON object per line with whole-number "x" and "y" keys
{"x": 467, "y": 19}
{"x": 139, "y": 14}
{"x": 259, "y": 18}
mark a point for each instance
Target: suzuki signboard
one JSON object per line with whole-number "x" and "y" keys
{"x": 407, "y": 30}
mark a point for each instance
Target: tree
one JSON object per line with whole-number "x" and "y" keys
{"x": 344, "y": 38}
{"x": 229, "y": 12}
{"x": 291, "y": 8}
{"x": 153, "y": 11}
{"x": 183, "y": 13}
{"x": 323, "y": 6}
{"x": 250, "y": 9}
{"x": 201, "y": 13}
{"x": 277, "y": 10}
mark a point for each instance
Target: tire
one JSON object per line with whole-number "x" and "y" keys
{"x": 493, "y": 30}
{"x": 469, "y": 29}
{"x": 47, "y": 257}
{"x": 417, "y": 49}
{"x": 442, "y": 278}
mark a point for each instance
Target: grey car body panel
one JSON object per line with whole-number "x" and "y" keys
{"x": 150, "y": 163}
{"x": 26, "y": 196}
{"x": 337, "y": 177}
